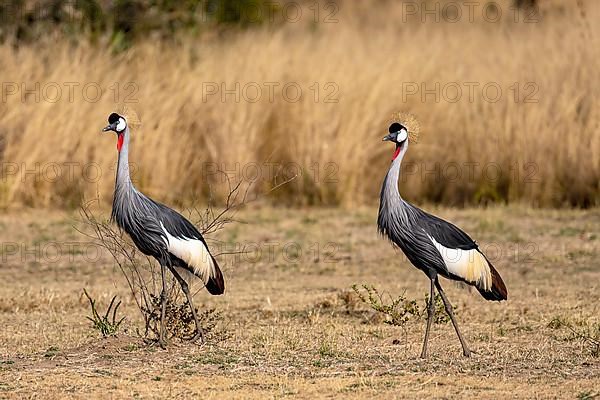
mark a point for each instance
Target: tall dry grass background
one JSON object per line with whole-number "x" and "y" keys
{"x": 547, "y": 152}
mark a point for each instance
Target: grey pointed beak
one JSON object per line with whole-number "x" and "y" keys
{"x": 108, "y": 128}
{"x": 390, "y": 137}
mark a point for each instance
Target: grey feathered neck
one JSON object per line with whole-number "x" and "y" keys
{"x": 392, "y": 208}
{"x": 123, "y": 178}
{"x": 124, "y": 188}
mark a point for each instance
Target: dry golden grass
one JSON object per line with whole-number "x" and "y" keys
{"x": 547, "y": 152}
{"x": 295, "y": 330}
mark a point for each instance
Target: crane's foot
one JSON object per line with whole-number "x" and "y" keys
{"x": 162, "y": 343}
{"x": 467, "y": 352}
{"x": 159, "y": 341}
{"x": 197, "y": 337}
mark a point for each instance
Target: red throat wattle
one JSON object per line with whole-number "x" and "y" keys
{"x": 120, "y": 142}
{"x": 396, "y": 152}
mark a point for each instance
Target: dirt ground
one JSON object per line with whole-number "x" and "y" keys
{"x": 291, "y": 324}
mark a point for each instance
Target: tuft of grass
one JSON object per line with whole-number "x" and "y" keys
{"x": 587, "y": 395}
{"x": 107, "y": 325}
{"x": 327, "y": 349}
{"x": 51, "y": 352}
{"x": 221, "y": 359}
{"x": 583, "y": 330}
{"x": 131, "y": 347}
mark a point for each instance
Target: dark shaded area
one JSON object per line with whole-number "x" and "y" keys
{"x": 525, "y": 4}
{"x": 125, "y": 20}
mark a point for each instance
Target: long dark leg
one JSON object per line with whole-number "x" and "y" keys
{"x": 448, "y": 306}
{"x": 430, "y": 311}
{"x": 163, "y": 311}
{"x": 199, "y": 335}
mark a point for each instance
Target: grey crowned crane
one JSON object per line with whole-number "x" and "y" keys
{"x": 436, "y": 247}
{"x": 161, "y": 232}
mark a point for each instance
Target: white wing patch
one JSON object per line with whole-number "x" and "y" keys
{"x": 193, "y": 252}
{"x": 470, "y": 265}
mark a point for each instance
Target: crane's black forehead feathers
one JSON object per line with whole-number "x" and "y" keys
{"x": 396, "y": 127}
{"x": 112, "y": 118}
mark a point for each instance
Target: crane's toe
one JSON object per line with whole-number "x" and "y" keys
{"x": 197, "y": 337}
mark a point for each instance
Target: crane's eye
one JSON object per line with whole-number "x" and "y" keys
{"x": 395, "y": 127}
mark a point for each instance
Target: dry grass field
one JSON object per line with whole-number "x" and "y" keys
{"x": 291, "y": 326}
{"x": 509, "y": 110}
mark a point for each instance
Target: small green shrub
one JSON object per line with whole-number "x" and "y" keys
{"x": 397, "y": 311}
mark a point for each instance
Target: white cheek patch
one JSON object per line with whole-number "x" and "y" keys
{"x": 121, "y": 125}
{"x": 402, "y": 135}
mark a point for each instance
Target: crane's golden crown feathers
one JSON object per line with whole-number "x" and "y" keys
{"x": 131, "y": 116}
{"x": 409, "y": 121}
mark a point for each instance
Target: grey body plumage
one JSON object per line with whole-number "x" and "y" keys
{"x": 399, "y": 221}
{"x": 431, "y": 244}
{"x": 159, "y": 231}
